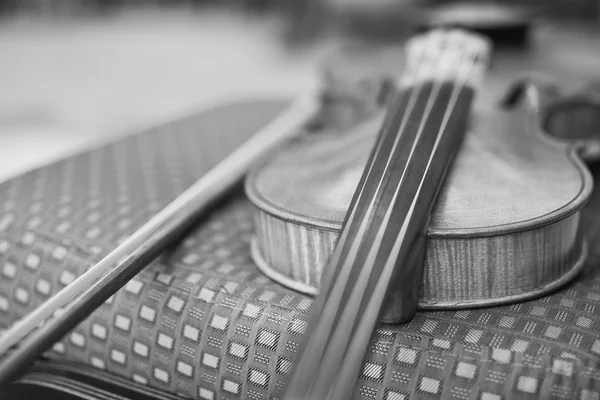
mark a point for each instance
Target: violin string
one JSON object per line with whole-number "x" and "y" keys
{"x": 355, "y": 357}
{"x": 424, "y": 51}
{"x": 349, "y": 318}
{"x": 360, "y": 189}
{"x": 360, "y": 292}
{"x": 314, "y": 349}
{"x": 371, "y": 207}
{"x": 414, "y": 95}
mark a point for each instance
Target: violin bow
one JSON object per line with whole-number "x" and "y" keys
{"x": 382, "y": 241}
{"x": 29, "y": 337}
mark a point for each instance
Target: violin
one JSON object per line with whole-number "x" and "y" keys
{"x": 499, "y": 224}
{"x": 442, "y": 98}
{"x": 518, "y": 181}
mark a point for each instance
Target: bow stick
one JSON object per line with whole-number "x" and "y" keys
{"x": 47, "y": 324}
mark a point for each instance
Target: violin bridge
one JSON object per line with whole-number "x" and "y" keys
{"x": 455, "y": 55}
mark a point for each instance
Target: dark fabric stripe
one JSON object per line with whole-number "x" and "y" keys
{"x": 75, "y": 381}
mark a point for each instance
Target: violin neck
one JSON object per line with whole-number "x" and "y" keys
{"x": 378, "y": 257}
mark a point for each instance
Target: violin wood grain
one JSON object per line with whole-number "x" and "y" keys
{"x": 505, "y": 226}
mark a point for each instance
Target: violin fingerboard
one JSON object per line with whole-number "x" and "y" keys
{"x": 382, "y": 238}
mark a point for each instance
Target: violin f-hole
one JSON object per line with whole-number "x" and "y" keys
{"x": 567, "y": 116}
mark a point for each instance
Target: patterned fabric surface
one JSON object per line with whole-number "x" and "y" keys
{"x": 203, "y": 323}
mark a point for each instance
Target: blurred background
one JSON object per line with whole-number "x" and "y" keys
{"x": 76, "y": 73}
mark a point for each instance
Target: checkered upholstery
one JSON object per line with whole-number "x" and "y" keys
{"x": 203, "y": 323}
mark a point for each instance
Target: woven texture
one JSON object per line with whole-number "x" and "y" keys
{"x": 203, "y": 322}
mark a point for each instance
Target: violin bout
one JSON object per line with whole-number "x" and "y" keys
{"x": 505, "y": 226}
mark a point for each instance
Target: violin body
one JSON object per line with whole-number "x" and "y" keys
{"x": 505, "y": 226}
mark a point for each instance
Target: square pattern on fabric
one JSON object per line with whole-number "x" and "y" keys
{"x": 203, "y": 322}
